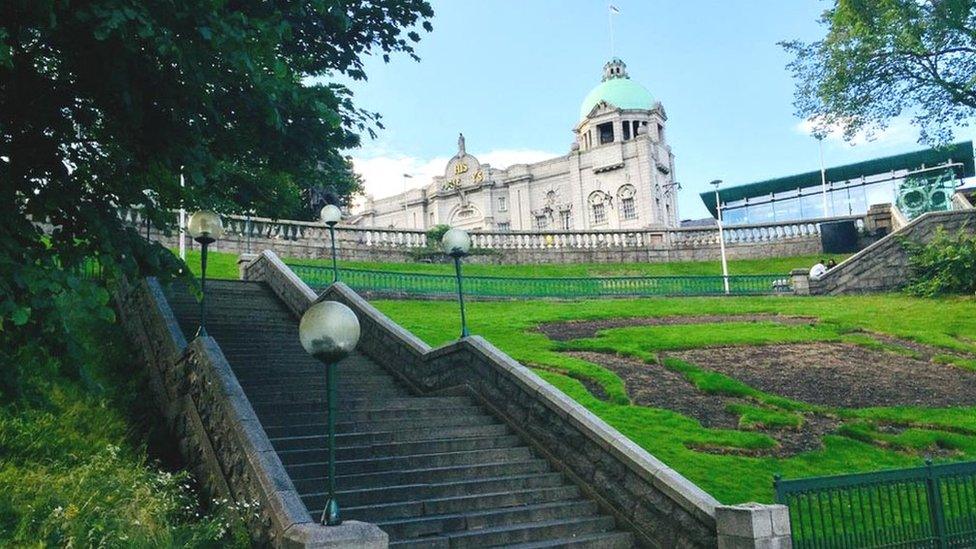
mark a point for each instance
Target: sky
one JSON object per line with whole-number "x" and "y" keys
{"x": 510, "y": 75}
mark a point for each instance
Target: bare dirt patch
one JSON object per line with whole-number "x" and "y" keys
{"x": 579, "y": 329}
{"x": 840, "y": 375}
{"x": 650, "y": 384}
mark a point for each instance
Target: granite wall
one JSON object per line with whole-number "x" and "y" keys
{"x": 883, "y": 266}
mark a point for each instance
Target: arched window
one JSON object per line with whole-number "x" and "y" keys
{"x": 598, "y": 207}
{"x": 628, "y": 208}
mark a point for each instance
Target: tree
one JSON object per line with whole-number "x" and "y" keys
{"x": 886, "y": 58}
{"x": 104, "y": 103}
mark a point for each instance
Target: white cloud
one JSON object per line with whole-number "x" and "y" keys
{"x": 900, "y": 131}
{"x": 383, "y": 171}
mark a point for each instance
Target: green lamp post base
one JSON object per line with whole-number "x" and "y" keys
{"x": 330, "y": 515}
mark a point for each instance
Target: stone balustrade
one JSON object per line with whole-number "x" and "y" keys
{"x": 311, "y": 239}
{"x": 260, "y": 227}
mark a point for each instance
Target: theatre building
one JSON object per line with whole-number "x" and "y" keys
{"x": 618, "y": 174}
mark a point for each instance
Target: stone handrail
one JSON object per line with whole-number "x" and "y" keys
{"x": 883, "y": 266}
{"x": 649, "y": 498}
{"x": 220, "y": 435}
{"x": 243, "y": 227}
{"x": 960, "y": 202}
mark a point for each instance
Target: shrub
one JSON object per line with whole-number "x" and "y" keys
{"x": 435, "y": 234}
{"x": 74, "y": 465}
{"x": 945, "y": 265}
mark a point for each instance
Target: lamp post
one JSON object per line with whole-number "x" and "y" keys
{"x": 331, "y": 215}
{"x": 721, "y": 236}
{"x": 205, "y": 227}
{"x": 823, "y": 179}
{"x": 457, "y": 244}
{"x": 329, "y": 331}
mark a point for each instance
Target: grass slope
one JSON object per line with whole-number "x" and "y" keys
{"x": 668, "y": 435}
{"x": 74, "y": 466}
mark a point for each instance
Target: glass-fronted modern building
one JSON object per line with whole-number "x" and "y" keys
{"x": 916, "y": 182}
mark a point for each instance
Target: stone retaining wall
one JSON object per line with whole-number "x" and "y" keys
{"x": 219, "y": 434}
{"x": 883, "y": 266}
{"x": 661, "y": 507}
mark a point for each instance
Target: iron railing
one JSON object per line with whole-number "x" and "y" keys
{"x": 405, "y": 283}
{"x": 931, "y": 506}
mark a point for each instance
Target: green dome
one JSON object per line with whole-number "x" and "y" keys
{"x": 618, "y": 90}
{"x": 622, "y": 93}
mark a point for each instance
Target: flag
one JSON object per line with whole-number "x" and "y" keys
{"x": 614, "y": 9}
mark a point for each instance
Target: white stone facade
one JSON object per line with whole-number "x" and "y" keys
{"x": 618, "y": 175}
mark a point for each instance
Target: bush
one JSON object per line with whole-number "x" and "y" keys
{"x": 74, "y": 465}
{"x": 435, "y": 234}
{"x": 945, "y": 265}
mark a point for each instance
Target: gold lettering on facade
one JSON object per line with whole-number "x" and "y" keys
{"x": 479, "y": 176}
{"x": 460, "y": 168}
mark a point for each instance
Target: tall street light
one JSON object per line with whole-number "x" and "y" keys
{"x": 331, "y": 214}
{"x": 721, "y": 236}
{"x": 823, "y": 178}
{"x": 457, "y": 244}
{"x": 329, "y": 331}
{"x": 205, "y": 227}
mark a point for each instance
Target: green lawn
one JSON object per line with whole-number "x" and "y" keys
{"x": 224, "y": 265}
{"x": 858, "y": 446}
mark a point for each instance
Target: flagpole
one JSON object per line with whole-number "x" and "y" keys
{"x": 610, "y": 19}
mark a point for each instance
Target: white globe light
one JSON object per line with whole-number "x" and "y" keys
{"x": 456, "y": 242}
{"x": 329, "y": 331}
{"x": 331, "y": 214}
{"x": 205, "y": 224}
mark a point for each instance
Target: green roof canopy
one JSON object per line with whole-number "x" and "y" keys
{"x": 959, "y": 152}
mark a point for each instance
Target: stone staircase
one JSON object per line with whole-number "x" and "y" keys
{"x": 431, "y": 471}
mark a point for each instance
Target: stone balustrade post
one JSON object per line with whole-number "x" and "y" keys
{"x": 753, "y": 526}
{"x": 800, "y": 280}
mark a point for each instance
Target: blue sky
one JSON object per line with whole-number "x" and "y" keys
{"x": 511, "y": 75}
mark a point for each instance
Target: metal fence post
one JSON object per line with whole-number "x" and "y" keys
{"x": 934, "y": 493}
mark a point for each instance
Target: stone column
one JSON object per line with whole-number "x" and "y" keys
{"x": 753, "y": 526}
{"x": 243, "y": 261}
{"x": 878, "y": 219}
{"x": 800, "y": 279}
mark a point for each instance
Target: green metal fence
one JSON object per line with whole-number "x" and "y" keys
{"x": 518, "y": 287}
{"x": 931, "y": 506}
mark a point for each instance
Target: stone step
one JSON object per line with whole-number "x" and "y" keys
{"x": 294, "y": 457}
{"x": 404, "y": 403}
{"x": 316, "y": 381}
{"x": 313, "y": 396}
{"x": 458, "y": 504}
{"x": 398, "y": 463}
{"x": 407, "y": 423}
{"x": 305, "y": 418}
{"x": 560, "y": 519}
{"x": 354, "y": 439}
{"x": 608, "y": 540}
{"x": 409, "y": 492}
{"x": 425, "y": 475}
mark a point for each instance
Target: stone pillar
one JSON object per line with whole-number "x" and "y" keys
{"x": 878, "y": 219}
{"x": 800, "y": 279}
{"x": 753, "y": 526}
{"x": 243, "y": 261}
